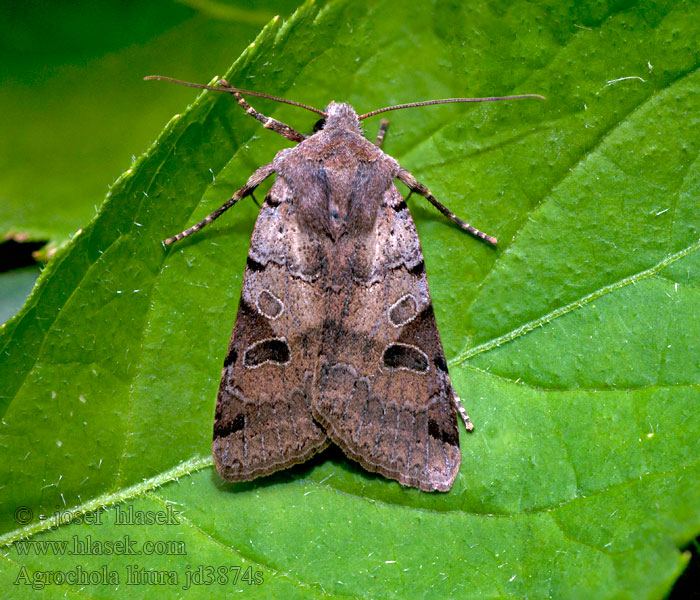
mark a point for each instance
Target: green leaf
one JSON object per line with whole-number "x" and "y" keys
{"x": 574, "y": 346}
{"x": 74, "y": 106}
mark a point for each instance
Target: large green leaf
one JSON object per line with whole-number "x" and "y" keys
{"x": 574, "y": 345}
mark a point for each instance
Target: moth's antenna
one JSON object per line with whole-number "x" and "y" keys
{"x": 448, "y": 101}
{"x": 231, "y": 89}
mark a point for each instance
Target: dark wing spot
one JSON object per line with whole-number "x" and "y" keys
{"x": 427, "y": 313}
{"x": 446, "y": 437}
{"x": 419, "y": 269}
{"x": 226, "y": 429}
{"x": 254, "y": 265}
{"x": 272, "y": 201}
{"x": 274, "y": 351}
{"x": 231, "y": 357}
{"x": 439, "y": 362}
{"x": 402, "y": 356}
{"x": 400, "y": 206}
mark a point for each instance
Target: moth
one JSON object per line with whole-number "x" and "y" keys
{"x": 335, "y": 338}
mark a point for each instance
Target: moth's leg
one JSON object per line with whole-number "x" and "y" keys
{"x": 253, "y": 181}
{"x": 416, "y": 186}
{"x": 462, "y": 412}
{"x": 268, "y": 122}
{"x": 383, "y": 126}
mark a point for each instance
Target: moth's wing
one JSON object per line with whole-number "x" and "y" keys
{"x": 263, "y": 418}
{"x": 383, "y": 392}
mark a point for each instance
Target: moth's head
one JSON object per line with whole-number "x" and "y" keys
{"x": 340, "y": 115}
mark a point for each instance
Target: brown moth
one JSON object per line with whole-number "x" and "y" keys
{"x": 335, "y": 338}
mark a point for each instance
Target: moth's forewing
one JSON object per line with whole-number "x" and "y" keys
{"x": 263, "y": 419}
{"x": 382, "y": 390}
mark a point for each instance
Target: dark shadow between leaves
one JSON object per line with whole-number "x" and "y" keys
{"x": 686, "y": 586}
{"x": 16, "y": 255}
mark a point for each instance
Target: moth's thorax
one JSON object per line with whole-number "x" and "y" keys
{"x": 342, "y": 116}
{"x": 335, "y": 178}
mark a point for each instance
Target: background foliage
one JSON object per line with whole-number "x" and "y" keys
{"x": 574, "y": 345}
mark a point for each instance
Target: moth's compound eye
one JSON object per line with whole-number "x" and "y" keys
{"x": 320, "y": 124}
